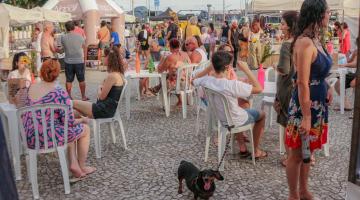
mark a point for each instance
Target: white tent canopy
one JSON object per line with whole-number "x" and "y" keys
{"x": 11, "y": 15}
{"x": 53, "y": 16}
{"x": 268, "y": 5}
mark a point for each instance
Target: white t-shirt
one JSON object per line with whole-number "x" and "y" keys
{"x": 202, "y": 53}
{"x": 15, "y": 74}
{"x": 232, "y": 89}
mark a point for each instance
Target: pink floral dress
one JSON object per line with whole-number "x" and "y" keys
{"x": 57, "y": 96}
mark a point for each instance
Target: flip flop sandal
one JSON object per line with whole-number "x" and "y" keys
{"x": 264, "y": 154}
{"x": 244, "y": 154}
{"x": 76, "y": 179}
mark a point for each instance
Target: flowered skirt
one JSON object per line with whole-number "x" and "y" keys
{"x": 319, "y": 118}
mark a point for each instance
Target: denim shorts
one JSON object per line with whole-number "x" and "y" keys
{"x": 74, "y": 69}
{"x": 253, "y": 116}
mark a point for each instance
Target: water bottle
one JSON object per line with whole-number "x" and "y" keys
{"x": 261, "y": 75}
{"x": 137, "y": 63}
{"x": 305, "y": 147}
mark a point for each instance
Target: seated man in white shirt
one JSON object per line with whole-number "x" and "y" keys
{"x": 234, "y": 89}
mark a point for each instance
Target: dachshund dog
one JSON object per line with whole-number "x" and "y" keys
{"x": 201, "y": 183}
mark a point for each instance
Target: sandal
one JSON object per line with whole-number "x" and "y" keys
{"x": 263, "y": 155}
{"x": 245, "y": 154}
{"x": 76, "y": 179}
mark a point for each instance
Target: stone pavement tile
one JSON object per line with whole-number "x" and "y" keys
{"x": 157, "y": 145}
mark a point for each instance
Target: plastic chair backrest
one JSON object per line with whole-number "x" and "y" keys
{"x": 43, "y": 108}
{"x": 121, "y": 95}
{"x": 214, "y": 96}
{"x": 203, "y": 65}
{"x": 184, "y": 72}
{"x": 267, "y": 74}
{"x": 4, "y": 87}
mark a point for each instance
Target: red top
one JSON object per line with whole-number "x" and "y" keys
{"x": 346, "y": 44}
{"x": 79, "y": 31}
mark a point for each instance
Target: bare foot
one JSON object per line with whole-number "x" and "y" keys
{"x": 76, "y": 171}
{"x": 306, "y": 195}
{"x": 88, "y": 170}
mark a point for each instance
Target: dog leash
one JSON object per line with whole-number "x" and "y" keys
{"x": 227, "y": 146}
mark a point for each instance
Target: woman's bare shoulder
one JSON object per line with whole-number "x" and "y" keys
{"x": 303, "y": 43}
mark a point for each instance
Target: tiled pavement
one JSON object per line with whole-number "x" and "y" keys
{"x": 157, "y": 145}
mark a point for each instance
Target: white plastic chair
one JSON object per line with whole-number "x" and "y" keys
{"x": 326, "y": 146}
{"x": 116, "y": 118}
{"x": 31, "y": 158}
{"x": 270, "y": 92}
{"x": 183, "y": 87}
{"x": 216, "y": 96}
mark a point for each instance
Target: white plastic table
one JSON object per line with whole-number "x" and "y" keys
{"x": 12, "y": 131}
{"x": 145, "y": 74}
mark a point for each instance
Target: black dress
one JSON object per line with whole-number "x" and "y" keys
{"x": 106, "y": 108}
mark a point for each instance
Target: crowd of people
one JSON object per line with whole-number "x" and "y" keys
{"x": 302, "y": 97}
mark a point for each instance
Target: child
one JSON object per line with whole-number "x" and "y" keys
{"x": 234, "y": 89}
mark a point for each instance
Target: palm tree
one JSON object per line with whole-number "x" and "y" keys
{"x": 26, "y": 3}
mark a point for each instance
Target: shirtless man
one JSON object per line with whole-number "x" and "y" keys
{"x": 196, "y": 54}
{"x": 48, "y": 47}
{"x": 170, "y": 65}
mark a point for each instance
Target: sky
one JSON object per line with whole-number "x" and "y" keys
{"x": 186, "y": 4}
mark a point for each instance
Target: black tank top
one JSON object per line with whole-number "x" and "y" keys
{"x": 115, "y": 92}
{"x": 225, "y": 31}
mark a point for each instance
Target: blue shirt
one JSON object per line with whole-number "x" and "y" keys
{"x": 115, "y": 37}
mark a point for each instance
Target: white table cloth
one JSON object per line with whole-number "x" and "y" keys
{"x": 12, "y": 131}
{"x": 145, "y": 74}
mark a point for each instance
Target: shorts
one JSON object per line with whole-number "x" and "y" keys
{"x": 253, "y": 116}
{"x": 74, "y": 69}
{"x": 144, "y": 47}
{"x": 349, "y": 77}
{"x": 104, "y": 45}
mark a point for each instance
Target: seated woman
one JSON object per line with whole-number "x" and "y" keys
{"x": 170, "y": 65}
{"x": 109, "y": 92}
{"x": 20, "y": 67}
{"x": 48, "y": 91}
{"x": 349, "y": 79}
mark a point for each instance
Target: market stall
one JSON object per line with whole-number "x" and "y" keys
{"x": 91, "y": 12}
{"x": 15, "y": 33}
{"x": 53, "y": 16}
{"x": 15, "y": 17}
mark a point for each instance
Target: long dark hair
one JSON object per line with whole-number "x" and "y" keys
{"x": 291, "y": 17}
{"x": 211, "y": 25}
{"x": 115, "y": 60}
{"x": 16, "y": 60}
{"x": 312, "y": 13}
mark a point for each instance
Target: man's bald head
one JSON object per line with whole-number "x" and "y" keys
{"x": 48, "y": 26}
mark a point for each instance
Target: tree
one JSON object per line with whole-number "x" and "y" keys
{"x": 26, "y": 3}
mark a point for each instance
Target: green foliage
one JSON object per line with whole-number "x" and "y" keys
{"x": 267, "y": 52}
{"x": 26, "y": 3}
